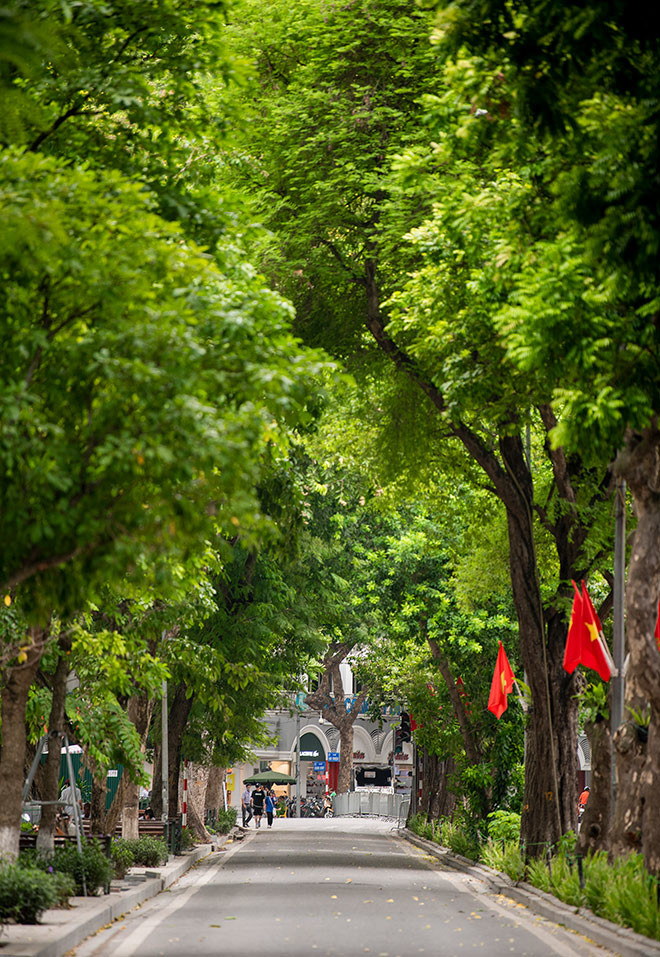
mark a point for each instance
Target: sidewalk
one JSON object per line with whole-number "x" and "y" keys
{"x": 62, "y": 930}
{"x": 620, "y": 940}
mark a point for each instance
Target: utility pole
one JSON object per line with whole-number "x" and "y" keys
{"x": 298, "y": 764}
{"x": 164, "y": 755}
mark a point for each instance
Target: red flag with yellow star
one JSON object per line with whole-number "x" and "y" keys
{"x": 502, "y": 684}
{"x": 595, "y": 653}
{"x": 573, "y": 650}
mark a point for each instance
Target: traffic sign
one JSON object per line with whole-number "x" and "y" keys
{"x": 333, "y": 755}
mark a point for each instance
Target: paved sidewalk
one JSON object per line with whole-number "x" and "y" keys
{"x": 620, "y": 940}
{"x": 62, "y": 930}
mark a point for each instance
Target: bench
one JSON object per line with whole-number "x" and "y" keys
{"x": 169, "y": 831}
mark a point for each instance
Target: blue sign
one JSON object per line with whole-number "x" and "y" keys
{"x": 319, "y": 765}
{"x": 333, "y": 755}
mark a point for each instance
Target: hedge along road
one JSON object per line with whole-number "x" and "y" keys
{"x": 330, "y": 887}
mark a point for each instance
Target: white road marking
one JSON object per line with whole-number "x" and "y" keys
{"x": 127, "y": 946}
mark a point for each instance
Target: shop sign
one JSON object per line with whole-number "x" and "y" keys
{"x": 311, "y": 748}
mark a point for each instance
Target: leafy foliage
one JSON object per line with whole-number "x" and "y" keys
{"x": 25, "y": 893}
{"x": 92, "y": 863}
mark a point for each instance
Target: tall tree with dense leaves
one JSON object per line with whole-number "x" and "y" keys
{"x": 340, "y": 103}
{"x": 583, "y": 314}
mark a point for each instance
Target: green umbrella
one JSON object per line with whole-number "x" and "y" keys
{"x": 270, "y": 777}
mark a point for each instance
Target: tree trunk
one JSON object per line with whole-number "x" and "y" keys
{"x": 333, "y": 709}
{"x": 550, "y": 796}
{"x": 213, "y": 800}
{"x": 179, "y": 710}
{"x": 345, "y": 757}
{"x": 138, "y": 709}
{"x": 50, "y": 777}
{"x": 550, "y": 799}
{"x": 198, "y": 778}
{"x": 441, "y": 800}
{"x": 636, "y": 823}
{"x": 13, "y": 698}
{"x": 113, "y": 814}
{"x": 595, "y": 820}
{"x": 97, "y": 815}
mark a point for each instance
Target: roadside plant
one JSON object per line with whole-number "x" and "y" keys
{"x": 146, "y": 851}
{"x": 25, "y": 893}
{"x": 225, "y": 820}
{"x": 459, "y": 840}
{"x": 187, "y": 840}
{"x": 93, "y": 863}
{"x": 64, "y": 886}
{"x": 504, "y": 856}
{"x": 504, "y": 826}
{"x": 122, "y": 856}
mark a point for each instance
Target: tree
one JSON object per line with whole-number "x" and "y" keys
{"x": 597, "y": 105}
{"x": 130, "y": 428}
{"x": 342, "y": 100}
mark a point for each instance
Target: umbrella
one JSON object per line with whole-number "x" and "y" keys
{"x": 270, "y": 777}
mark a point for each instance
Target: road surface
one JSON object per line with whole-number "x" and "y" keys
{"x": 341, "y": 887}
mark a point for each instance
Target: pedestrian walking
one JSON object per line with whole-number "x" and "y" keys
{"x": 246, "y": 806}
{"x": 270, "y": 807}
{"x": 258, "y": 799}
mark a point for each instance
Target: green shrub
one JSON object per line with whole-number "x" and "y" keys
{"x": 538, "y": 874}
{"x": 225, "y": 820}
{"x": 504, "y": 856}
{"x": 422, "y": 827}
{"x": 416, "y": 824}
{"x": 64, "y": 886}
{"x": 149, "y": 851}
{"x": 25, "y": 893}
{"x": 633, "y": 895}
{"x": 187, "y": 840}
{"x": 122, "y": 855}
{"x": 459, "y": 840}
{"x": 93, "y": 864}
{"x": 504, "y": 826}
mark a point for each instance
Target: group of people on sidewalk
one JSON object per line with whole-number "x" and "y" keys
{"x": 254, "y": 803}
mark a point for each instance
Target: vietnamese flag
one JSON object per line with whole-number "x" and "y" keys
{"x": 585, "y": 644}
{"x": 657, "y": 628}
{"x": 573, "y": 650}
{"x": 502, "y": 684}
{"x": 595, "y": 653}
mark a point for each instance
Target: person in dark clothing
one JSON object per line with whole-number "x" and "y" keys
{"x": 258, "y": 799}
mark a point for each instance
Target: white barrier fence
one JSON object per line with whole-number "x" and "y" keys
{"x": 372, "y": 802}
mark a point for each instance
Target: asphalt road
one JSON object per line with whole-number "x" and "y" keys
{"x": 340, "y": 887}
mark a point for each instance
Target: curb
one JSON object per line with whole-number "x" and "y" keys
{"x": 62, "y": 930}
{"x": 619, "y": 939}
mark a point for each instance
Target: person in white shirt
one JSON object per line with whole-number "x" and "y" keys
{"x": 246, "y": 806}
{"x": 70, "y": 795}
